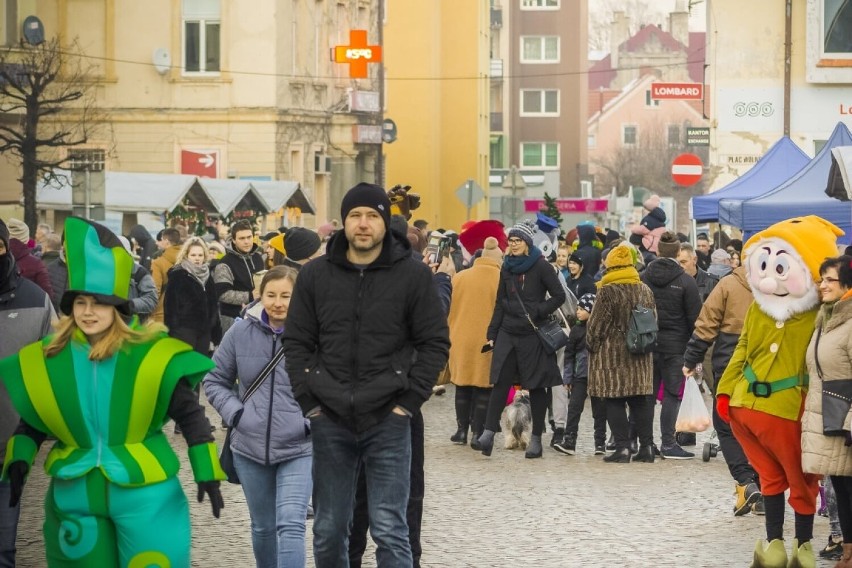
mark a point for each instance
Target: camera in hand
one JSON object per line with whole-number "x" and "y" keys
{"x": 438, "y": 248}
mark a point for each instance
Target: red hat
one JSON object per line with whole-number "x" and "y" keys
{"x": 473, "y": 238}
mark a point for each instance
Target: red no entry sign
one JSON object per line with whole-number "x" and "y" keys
{"x": 687, "y": 169}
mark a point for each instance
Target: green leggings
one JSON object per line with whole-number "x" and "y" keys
{"x": 90, "y": 521}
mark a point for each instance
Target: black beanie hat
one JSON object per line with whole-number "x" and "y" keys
{"x": 4, "y": 233}
{"x": 576, "y": 258}
{"x": 300, "y": 243}
{"x": 366, "y": 195}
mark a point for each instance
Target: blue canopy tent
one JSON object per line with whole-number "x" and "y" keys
{"x": 803, "y": 194}
{"x": 779, "y": 163}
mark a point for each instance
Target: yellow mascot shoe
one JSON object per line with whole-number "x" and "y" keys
{"x": 773, "y": 555}
{"x": 802, "y": 556}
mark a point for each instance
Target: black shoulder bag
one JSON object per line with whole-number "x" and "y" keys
{"x": 226, "y": 458}
{"x": 551, "y": 334}
{"x": 836, "y": 398}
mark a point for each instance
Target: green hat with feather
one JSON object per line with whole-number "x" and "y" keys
{"x": 98, "y": 265}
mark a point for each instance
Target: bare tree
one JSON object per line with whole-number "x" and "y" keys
{"x": 648, "y": 164}
{"x": 49, "y": 95}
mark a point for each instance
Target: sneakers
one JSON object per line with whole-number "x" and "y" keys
{"x": 610, "y": 443}
{"x": 758, "y": 507}
{"x": 675, "y": 453}
{"x": 558, "y": 434}
{"x": 833, "y": 550}
{"x": 567, "y": 445}
{"x": 600, "y": 449}
{"x": 747, "y": 495}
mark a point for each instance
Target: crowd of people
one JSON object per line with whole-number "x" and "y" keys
{"x": 318, "y": 348}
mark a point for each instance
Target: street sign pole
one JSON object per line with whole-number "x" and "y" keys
{"x": 469, "y": 187}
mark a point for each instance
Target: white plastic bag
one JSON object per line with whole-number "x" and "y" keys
{"x": 693, "y": 415}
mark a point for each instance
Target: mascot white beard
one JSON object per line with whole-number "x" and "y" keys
{"x": 780, "y": 279}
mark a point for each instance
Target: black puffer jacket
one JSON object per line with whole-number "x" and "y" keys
{"x": 351, "y": 334}
{"x": 678, "y": 303}
{"x": 191, "y": 311}
{"x": 585, "y": 284}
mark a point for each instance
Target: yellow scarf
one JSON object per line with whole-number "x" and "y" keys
{"x": 619, "y": 275}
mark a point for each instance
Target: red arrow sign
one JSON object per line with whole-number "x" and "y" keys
{"x": 687, "y": 169}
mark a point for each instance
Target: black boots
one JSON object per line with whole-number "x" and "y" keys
{"x": 460, "y": 437}
{"x": 534, "y": 448}
{"x": 645, "y": 454}
{"x": 486, "y": 442}
{"x": 621, "y": 455}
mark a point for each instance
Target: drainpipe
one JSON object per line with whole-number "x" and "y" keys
{"x": 788, "y": 33}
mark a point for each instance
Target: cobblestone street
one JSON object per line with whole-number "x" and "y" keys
{"x": 507, "y": 511}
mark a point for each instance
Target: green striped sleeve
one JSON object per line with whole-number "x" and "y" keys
{"x": 204, "y": 460}
{"x": 23, "y": 448}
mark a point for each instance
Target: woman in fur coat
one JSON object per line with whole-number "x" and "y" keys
{"x": 615, "y": 374}
{"x": 828, "y": 358}
{"x": 519, "y": 356}
{"x": 190, "y": 304}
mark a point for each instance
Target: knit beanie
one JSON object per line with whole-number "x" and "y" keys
{"x": 576, "y": 258}
{"x": 522, "y": 231}
{"x": 652, "y": 202}
{"x": 19, "y": 230}
{"x": 300, "y": 243}
{"x": 668, "y": 246}
{"x": 587, "y": 301}
{"x": 366, "y": 195}
{"x": 618, "y": 257}
{"x": 719, "y": 256}
{"x": 492, "y": 250}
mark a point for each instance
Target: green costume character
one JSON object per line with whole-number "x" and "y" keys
{"x": 104, "y": 390}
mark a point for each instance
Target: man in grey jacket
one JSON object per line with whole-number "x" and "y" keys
{"x": 26, "y": 315}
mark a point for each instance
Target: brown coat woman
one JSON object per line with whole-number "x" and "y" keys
{"x": 615, "y": 374}
{"x": 474, "y": 295}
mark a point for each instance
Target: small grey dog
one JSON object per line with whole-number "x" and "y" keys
{"x": 516, "y": 422}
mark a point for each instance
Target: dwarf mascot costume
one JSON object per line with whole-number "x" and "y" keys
{"x": 114, "y": 497}
{"x": 763, "y": 389}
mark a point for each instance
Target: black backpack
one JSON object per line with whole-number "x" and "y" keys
{"x": 641, "y": 331}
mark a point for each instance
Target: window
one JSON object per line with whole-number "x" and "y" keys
{"x": 540, "y": 155}
{"x": 539, "y": 49}
{"x": 89, "y": 159}
{"x": 628, "y": 135}
{"x": 496, "y": 156}
{"x": 592, "y": 141}
{"x": 674, "y": 135}
{"x": 9, "y": 25}
{"x": 540, "y": 102}
{"x": 201, "y": 25}
{"x": 539, "y": 4}
{"x": 836, "y": 23}
{"x": 649, "y": 102}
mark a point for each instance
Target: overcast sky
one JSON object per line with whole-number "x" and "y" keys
{"x": 657, "y": 10}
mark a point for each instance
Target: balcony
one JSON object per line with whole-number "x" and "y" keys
{"x": 497, "y": 69}
{"x": 496, "y": 122}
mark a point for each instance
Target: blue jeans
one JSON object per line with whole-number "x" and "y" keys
{"x": 277, "y": 525}
{"x": 8, "y": 527}
{"x": 385, "y": 450}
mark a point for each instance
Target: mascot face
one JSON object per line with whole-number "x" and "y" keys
{"x": 780, "y": 280}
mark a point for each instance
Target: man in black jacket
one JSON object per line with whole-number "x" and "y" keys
{"x": 678, "y": 305}
{"x": 356, "y": 317}
{"x": 25, "y": 317}
{"x": 233, "y": 274}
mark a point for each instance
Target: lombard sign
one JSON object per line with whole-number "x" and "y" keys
{"x": 818, "y": 109}
{"x": 755, "y": 110}
{"x": 678, "y": 91}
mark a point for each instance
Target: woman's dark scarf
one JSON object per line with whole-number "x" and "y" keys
{"x": 521, "y": 264}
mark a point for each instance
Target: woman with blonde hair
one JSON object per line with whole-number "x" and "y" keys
{"x": 104, "y": 390}
{"x": 191, "y": 308}
{"x": 269, "y": 434}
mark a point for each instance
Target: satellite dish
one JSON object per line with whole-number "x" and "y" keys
{"x": 33, "y": 30}
{"x": 162, "y": 60}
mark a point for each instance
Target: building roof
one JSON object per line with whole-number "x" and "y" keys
{"x": 601, "y": 73}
